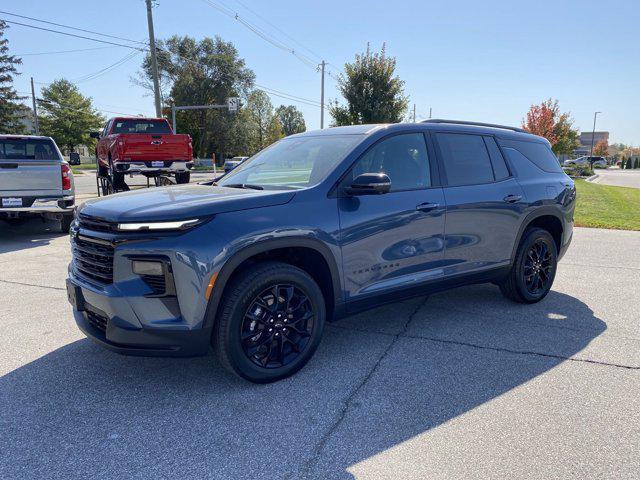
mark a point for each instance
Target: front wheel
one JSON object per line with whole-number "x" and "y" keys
{"x": 270, "y": 322}
{"x": 534, "y": 269}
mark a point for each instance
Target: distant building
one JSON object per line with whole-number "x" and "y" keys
{"x": 585, "y": 142}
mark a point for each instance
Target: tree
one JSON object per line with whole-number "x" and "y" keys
{"x": 601, "y": 148}
{"x": 372, "y": 92}
{"x": 291, "y": 119}
{"x": 11, "y": 110}
{"x": 204, "y": 72}
{"x": 67, "y": 115}
{"x": 261, "y": 120}
{"x": 547, "y": 121}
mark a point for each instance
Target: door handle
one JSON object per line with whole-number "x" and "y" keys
{"x": 512, "y": 198}
{"x": 427, "y": 207}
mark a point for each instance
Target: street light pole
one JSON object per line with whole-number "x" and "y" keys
{"x": 154, "y": 60}
{"x": 593, "y": 133}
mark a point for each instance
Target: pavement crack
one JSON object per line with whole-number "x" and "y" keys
{"x": 31, "y": 285}
{"x": 313, "y": 460}
{"x": 522, "y": 352}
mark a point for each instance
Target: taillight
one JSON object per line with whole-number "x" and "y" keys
{"x": 65, "y": 171}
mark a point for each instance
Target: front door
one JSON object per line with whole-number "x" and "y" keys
{"x": 394, "y": 240}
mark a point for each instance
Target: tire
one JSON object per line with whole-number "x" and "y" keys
{"x": 520, "y": 285}
{"x": 235, "y": 320}
{"x": 183, "y": 177}
{"x": 65, "y": 223}
{"x": 117, "y": 178}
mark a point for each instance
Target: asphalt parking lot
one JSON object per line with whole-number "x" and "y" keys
{"x": 462, "y": 384}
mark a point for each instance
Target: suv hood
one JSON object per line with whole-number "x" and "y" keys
{"x": 180, "y": 202}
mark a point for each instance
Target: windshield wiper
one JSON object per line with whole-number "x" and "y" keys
{"x": 243, "y": 185}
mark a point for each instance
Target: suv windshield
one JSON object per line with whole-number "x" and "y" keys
{"x": 297, "y": 162}
{"x": 141, "y": 126}
{"x": 28, "y": 149}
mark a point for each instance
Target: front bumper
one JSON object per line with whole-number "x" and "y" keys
{"x": 107, "y": 321}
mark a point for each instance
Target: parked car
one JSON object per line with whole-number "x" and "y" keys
{"x": 232, "y": 163}
{"x": 599, "y": 162}
{"x": 34, "y": 181}
{"x": 317, "y": 226}
{"x": 142, "y": 145}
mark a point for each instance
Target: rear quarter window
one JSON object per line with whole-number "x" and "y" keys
{"x": 537, "y": 153}
{"x": 28, "y": 149}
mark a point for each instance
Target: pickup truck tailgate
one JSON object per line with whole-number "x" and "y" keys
{"x": 155, "y": 147}
{"x": 30, "y": 178}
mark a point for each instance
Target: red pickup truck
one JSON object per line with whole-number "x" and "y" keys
{"x": 143, "y": 145}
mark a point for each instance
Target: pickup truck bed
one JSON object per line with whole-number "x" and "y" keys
{"x": 34, "y": 180}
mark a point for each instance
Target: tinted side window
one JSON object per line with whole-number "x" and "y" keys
{"x": 465, "y": 157}
{"x": 538, "y": 153}
{"x": 500, "y": 169}
{"x": 403, "y": 158}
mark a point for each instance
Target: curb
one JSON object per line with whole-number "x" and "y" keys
{"x": 591, "y": 178}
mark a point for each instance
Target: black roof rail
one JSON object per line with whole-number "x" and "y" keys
{"x": 476, "y": 124}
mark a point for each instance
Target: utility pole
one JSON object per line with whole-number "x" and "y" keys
{"x": 414, "y": 113}
{"x": 35, "y": 110}
{"x": 322, "y": 95}
{"x": 154, "y": 60}
{"x": 429, "y": 112}
{"x": 593, "y": 134}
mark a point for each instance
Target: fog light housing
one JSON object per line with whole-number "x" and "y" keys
{"x": 145, "y": 267}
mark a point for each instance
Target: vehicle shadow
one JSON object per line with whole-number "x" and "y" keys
{"x": 81, "y": 411}
{"x": 33, "y": 232}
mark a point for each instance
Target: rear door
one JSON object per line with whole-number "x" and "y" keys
{"x": 29, "y": 168}
{"x": 484, "y": 202}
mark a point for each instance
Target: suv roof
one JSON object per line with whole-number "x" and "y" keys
{"x": 513, "y": 133}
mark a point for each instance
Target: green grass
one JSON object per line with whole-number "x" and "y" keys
{"x": 604, "y": 206}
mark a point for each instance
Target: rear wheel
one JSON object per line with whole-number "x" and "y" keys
{"x": 534, "y": 269}
{"x": 183, "y": 177}
{"x": 270, "y": 322}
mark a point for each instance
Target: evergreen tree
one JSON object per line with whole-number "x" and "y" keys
{"x": 11, "y": 110}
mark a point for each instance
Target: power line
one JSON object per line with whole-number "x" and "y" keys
{"x": 279, "y": 29}
{"x": 62, "y": 51}
{"x": 261, "y": 33}
{"x": 73, "y": 28}
{"x": 73, "y": 35}
{"x": 106, "y": 69}
{"x": 268, "y": 89}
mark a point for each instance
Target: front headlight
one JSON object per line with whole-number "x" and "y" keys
{"x": 147, "y": 226}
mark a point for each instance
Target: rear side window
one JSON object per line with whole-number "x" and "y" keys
{"x": 465, "y": 157}
{"x": 538, "y": 153}
{"x": 141, "y": 126}
{"x": 28, "y": 149}
{"x": 500, "y": 169}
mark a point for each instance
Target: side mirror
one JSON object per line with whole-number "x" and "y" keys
{"x": 94, "y": 134}
{"x": 369, "y": 184}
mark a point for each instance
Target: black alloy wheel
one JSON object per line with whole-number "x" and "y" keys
{"x": 537, "y": 267}
{"x": 277, "y": 326}
{"x": 534, "y": 268}
{"x": 269, "y": 322}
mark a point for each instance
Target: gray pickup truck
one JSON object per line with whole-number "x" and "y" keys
{"x": 34, "y": 180}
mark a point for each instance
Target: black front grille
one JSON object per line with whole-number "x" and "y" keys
{"x": 98, "y": 321}
{"x": 93, "y": 258}
{"x": 96, "y": 224}
{"x": 157, "y": 283}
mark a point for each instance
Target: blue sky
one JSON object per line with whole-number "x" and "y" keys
{"x": 466, "y": 59}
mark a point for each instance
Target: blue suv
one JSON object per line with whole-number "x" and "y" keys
{"x": 315, "y": 227}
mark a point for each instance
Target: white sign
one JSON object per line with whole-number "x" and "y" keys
{"x": 233, "y": 103}
{"x": 11, "y": 202}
